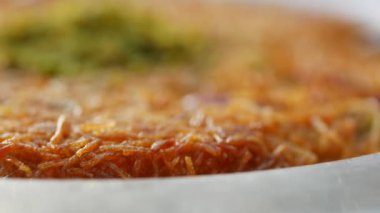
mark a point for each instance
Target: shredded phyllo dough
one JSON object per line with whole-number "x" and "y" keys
{"x": 286, "y": 90}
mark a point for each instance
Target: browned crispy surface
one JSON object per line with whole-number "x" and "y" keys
{"x": 284, "y": 90}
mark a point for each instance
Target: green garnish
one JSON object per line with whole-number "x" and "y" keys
{"x": 97, "y": 38}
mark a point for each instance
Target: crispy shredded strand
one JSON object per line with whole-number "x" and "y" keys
{"x": 59, "y": 131}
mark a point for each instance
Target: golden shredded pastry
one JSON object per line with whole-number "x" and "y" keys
{"x": 284, "y": 90}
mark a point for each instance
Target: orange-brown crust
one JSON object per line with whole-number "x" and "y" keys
{"x": 311, "y": 96}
